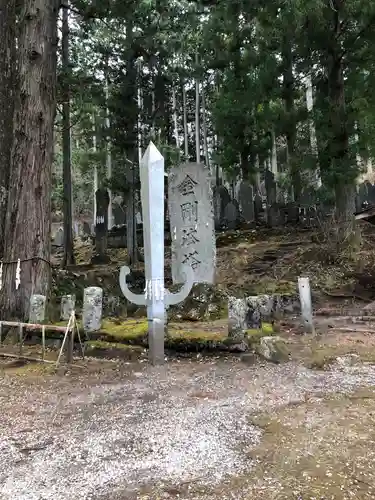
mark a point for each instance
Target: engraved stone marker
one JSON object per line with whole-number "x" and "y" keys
{"x": 37, "y": 308}
{"x": 92, "y": 309}
{"x": 192, "y": 222}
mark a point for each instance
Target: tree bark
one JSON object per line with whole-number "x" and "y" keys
{"x": 132, "y": 146}
{"x": 342, "y": 172}
{"x": 204, "y": 129}
{"x": 197, "y": 116}
{"x": 7, "y": 63}
{"x": 28, "y": 223}
{"x": 186, "y": 134}
{"x": 68, "y": 258}
{"x": 288, "y": 91}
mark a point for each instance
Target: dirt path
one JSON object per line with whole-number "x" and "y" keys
{"x": 215, "y": 429}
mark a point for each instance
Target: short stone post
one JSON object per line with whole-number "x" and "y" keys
{"x": 37, "y": 309}
{"x": 306, "y": 304}
{"x": 68, "y": 303}
{"x": 92, "y": 309}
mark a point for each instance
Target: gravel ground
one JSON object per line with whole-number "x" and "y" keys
{"x": 183, "y": 423}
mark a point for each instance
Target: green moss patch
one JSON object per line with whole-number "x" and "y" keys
{"x": 254, "y": 335}
{"x": 195, "y": 340}
{"x": 101, "y": 349}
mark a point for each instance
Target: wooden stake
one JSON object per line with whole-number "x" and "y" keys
{"x": 20, "y": 334}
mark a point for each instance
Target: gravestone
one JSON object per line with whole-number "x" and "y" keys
{"x": 246, "y": 199}
{"x": 270, "y": 186}
{"x": 258, "y": 206}
{"x": 92, "y": 309}
{"x": 192, "y": 222}
{"x": 274, "y": 215}
{"x": 37, "y": 309}
{"x": 292, "y": 213}
{"x": 371, "y": 194}
{"x": 68, "y": 303}
{"x": 101, "y": 226}
{"x": 231, "y": 215}
{"x": 221, "y": 198}
{"x": 59, "y": 238}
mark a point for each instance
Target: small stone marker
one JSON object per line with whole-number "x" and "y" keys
{"x": 37, "y": 309}
{"x": 306, "y": 304}
{"x": 92, "y": 309}
{"x": 246, "y": 199}
{"x": 68, "y": 303}
{"x": 192, "y": 222}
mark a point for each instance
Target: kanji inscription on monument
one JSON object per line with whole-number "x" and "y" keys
{"x": 192, "y": 222}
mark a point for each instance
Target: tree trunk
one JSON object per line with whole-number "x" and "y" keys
{"x": 28, "y": 224}
{"x": 108, "y": 156}
{"x": 197, "y": 118}
{"x": 174, "y": 114}
{"x": 132, "y": 144}
{"x": 68, "y": 258}
{"x": 343, "y": 171}
{"x": 288, "y": 91}
{"x": 186, "y": 134}
{"x": 274, "y": 154}
{"x": 312, "y": 132}
{"x": 95, "y": 179}
{"x": 7, "y": 63}
{"x": 204, "y": 129}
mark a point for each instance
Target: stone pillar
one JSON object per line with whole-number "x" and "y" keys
{"x": 92, "y": 309}
{"x": 68, "y": 303}
{"x": 37, "y": 309}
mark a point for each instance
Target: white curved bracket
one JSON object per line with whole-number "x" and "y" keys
{"x": 139, "y": 300}
{"x": 175, "y": 298}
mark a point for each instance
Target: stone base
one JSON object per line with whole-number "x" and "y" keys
{"x": 249, "y": 313}
{"x": 205, "y": 302}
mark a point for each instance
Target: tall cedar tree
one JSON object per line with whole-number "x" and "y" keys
{"x": 28, "y": 220}
{"x": 7, "y": 64}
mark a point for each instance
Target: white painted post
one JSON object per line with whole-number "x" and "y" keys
{"x": 306, "y": 304}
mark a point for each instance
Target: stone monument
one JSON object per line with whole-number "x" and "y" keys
{"x": 192, "y": 222}
{"x": 156, "y": 297}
